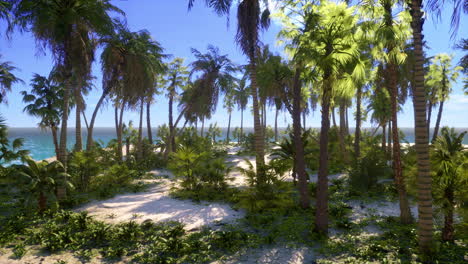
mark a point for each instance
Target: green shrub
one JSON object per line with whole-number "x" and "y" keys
{"x": 112, "y": 179}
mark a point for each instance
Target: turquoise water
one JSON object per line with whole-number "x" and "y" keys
{"x": 41, "y": 146}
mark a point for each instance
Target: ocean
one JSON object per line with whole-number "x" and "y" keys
{"x": 40, "y": 144}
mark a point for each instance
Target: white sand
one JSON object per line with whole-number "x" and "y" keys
{"x": 157, "y": 205}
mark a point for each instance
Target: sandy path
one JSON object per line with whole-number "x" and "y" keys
{"x": 157, "y": 205}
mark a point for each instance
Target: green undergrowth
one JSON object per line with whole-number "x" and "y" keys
{"x": 139, "y": 243}
{"x": 396, "y": 243}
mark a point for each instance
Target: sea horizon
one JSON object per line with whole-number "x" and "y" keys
{"x": 39, "y": 142}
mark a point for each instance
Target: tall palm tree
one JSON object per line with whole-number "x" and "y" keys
{"x": 229, "y": 103}
{"x": 391, "y": 34}
{"x": 250, "y": 20}
{"x": 55, "y": 24}
{"x": 324, "y": 43}
{"x": 7, "y": 78}
{"x": 176, "y": 78}
{"x": 439, "y": 79}
{"x": 241, "y": 97}
{"x": 425, "y": 223}
{"x": 45, "y": 101}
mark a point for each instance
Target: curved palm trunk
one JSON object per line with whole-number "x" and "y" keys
{"x": 405, "y": 212}
{"x": 437, "y": 125}
{"x": 90, "y": 141}
{"x": 148, "y": 121}
{"x": 229, "y": 128}
{"x": 299, "y": 158}
{"x": 321, "y": 211}
{"x": 258, "y": 131}
{"x": 425, "y": 223}
{"x": 357, "y": 132}
{"x": 53, "y": 129}
{"x": 140, "y": 133}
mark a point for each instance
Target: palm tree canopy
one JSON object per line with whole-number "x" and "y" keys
{"x": 45, "y": 100}
{"x": 215, "y": 75}
{"x": 7, "y": 78}
{"x": 53, "y": 22}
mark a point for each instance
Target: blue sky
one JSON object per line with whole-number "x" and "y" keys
{"x": 179, "y": 30}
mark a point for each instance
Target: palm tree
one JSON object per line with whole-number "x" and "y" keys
{"x": 325, "y": 43}
{"x": 450, "y": 163}
{"x": 250, "y": 20}
{"x": 425, "y": 223}
{"x": 241, "y": 97}
{"x": 391, "y": 35}
{"x": 215, "y": 78}
{"x": 130, "y": 64}
{"x": 439, "y": 79}
{"x": 7, "y": 78}
{"x": 45, "y": 101}
{"x": 56, "y": 25}
{"x": 229, "y": 105}
{"x": 177, "y": 77}
{"x": 41, "y": 179}
{"x": 10, "y": 151}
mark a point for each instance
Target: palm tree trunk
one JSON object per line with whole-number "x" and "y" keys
{"x": 333, "y": 117}
{"x": 42, "y": 202}
{"x": 148, "y": 121}
{"x": 119, "y": 118}
{"x": 299, "y": 158}
{"x": 53, "y": 129}
{"x": 437, "y": 125}
{"x": 85, "y": 119}
{"x": 78, "y": 139}
{"x": 429, "y": 114}
{"x": 384, "y": 139}
{"x": 229, "y": 128}
{"x": 405, "y": 212}
{"x": 258, "y": 131}
{"x": 425, "y": 223}
{"x": 347, "y": 120}
{"x": 343, "y": 131}
{"x": 241, "y": 136}
{"x": 62, "y": 157}
{"x": 140, "y": 132}
{"x": 357, "y": 132}
{"x": 389, "y": 145}
{"x": 447, "y": 231}
{"x": 276, "y": 125}
{"x": 117, "y": 131}
{"x": 321, "y": 211}
{"x": 90, "y": 141}
{"x": 202, "y": 127}
{"x": 171, "y": 144}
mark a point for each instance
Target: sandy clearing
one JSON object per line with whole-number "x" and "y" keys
{"x": 157, "y": 205}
